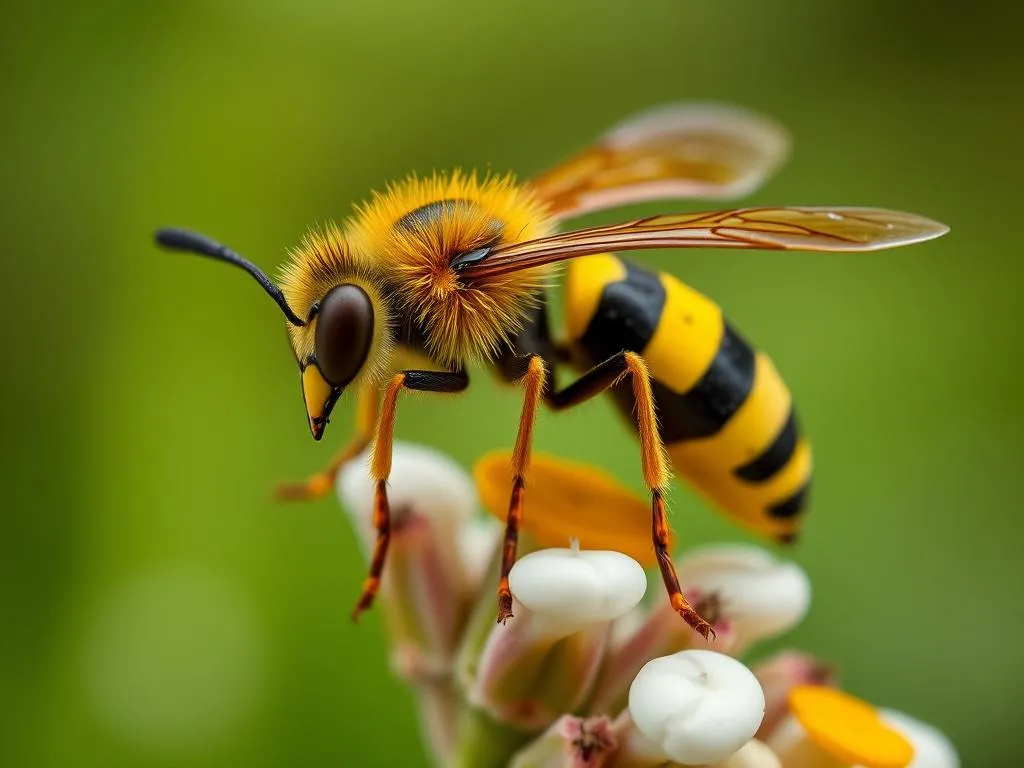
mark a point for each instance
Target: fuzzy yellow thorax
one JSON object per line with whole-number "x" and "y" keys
{"x": 463, "y": 321}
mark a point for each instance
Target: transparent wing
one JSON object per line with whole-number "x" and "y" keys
{"x": 688, "y": 150}
{"x": 836, "y": 230}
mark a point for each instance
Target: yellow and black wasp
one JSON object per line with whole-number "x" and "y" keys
{"x": 435, "y": 274}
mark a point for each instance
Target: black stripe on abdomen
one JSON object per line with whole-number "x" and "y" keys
{"x": 715, "y": 398}
{"x": 792, "y": 506}
{"x": 773, "y": 458}
{"x": 627, "y": 315}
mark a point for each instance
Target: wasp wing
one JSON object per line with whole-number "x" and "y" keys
{"x": 838, "y": 230}
{"x": 687, "y": 150}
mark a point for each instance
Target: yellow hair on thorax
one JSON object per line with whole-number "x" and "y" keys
{"x": 321, "y": 261}
{"x": 463, "y": 321}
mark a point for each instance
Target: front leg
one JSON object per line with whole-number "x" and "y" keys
{"x": 320, "y": 484}
{"x": 380, "y": 464}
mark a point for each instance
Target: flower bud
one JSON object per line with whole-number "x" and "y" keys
{"x": 644, "y": 636}
{"x": 744, "y": 592}
{"x": 570, "y": 742}
{"x": 479, "y": 542}
{"x": 544, "y": 661}
{"x": 425, "y": 588}
{"x": 699, "y": 707}
{"x": 759, "y": 595}
{"x": 566, "y": 590}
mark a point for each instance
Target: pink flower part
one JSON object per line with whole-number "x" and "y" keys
{"x": 590, "y": 740}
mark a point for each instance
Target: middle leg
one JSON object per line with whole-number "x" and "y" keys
{"x": 536, "y": 385}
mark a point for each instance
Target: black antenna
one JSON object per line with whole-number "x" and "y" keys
{"x": 193, "y": 242}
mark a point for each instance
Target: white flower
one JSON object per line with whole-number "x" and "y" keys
{"x": 422, "y": 480}
{"x": 426, "y": 590}
{"x": 760, "y": 596}
{"x": 566, "y": 590}
{"x": 545, "y": 660}
{"x": 478, "y": 543}
{"x": 699, "y": 707}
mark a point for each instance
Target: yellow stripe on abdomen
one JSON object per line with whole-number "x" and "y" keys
{"x": 757, "y": 467}
{"x": 688, "y": 336}
{"x": 585, "y": 282}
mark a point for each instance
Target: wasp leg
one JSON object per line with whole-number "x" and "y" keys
{"x": 380, "y": 464}
{"x": 654, "y": 462}
{"x": 322, "y": 482}
{"x": 536, "y": 385}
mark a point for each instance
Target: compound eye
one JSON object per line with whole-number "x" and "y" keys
{"x": 344, "y": 332}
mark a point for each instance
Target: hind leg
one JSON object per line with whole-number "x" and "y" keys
{"x": 654, "y": 462}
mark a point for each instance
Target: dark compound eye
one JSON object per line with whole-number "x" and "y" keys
{"x": 344, "y": 332}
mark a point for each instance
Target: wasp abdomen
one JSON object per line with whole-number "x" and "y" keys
{"x": 725, "y": 414}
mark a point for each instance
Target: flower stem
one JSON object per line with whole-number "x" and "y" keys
{"x": 486, "y": 743}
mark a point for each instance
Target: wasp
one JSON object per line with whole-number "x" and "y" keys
{"x": 434, "y": 275}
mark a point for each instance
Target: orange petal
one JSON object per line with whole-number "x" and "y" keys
{"x": 566, "y": 500}
{"x": 849, "y": 728}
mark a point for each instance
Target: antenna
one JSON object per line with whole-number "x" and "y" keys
{"x": 193, "y": 242}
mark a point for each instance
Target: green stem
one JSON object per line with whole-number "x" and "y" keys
{"x": 486, "y": 743}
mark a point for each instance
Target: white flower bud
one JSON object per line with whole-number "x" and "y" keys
{"x": 425, "y": 590}
{"x": 423, "y": 481}
{"x": 545, "y": 660}
{"x": 760, "y": 596}
{"x": 932, "y": 748}
{"x": 479, "y": 540}
{"x": 568, "y": 589}
{"x": 698, "y": 706}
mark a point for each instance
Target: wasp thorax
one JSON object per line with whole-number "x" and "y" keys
{"x": 344, "y": 333}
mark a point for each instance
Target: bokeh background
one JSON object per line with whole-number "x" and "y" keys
{"x": 159, "y": 609}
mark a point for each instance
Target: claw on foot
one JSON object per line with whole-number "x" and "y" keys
{"x": 504, "y": 606}
{"x": 694, "y": 619}
{"x": 366, "y": 598}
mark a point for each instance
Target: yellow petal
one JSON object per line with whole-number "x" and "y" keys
{"x": 849, "y": 728}
{"x": 565, "y": 500}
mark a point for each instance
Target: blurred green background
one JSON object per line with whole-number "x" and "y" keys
{"x": 159, "y": 609}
